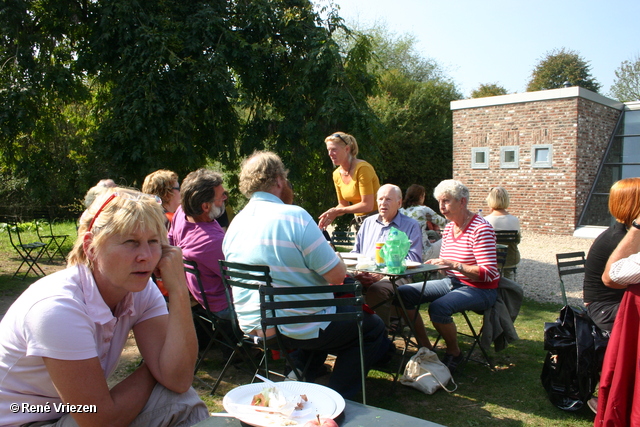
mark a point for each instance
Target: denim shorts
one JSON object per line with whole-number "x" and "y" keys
{"x": 447, "y": 296}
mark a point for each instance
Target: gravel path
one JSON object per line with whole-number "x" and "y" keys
{"x": 537, "y": 270}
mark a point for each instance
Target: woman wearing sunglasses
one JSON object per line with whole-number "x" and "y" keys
{"x": 355, "y": 181}
{"x": 62, "y": 338}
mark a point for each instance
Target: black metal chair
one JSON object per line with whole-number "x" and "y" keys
{"x": 511, "y": 238}
{"x": 220, "y": 331}
{"x": 344, "y": 238}
{"x": 44, "y": 229}
{"x": 30, "y": 253}
{"x": 569, "y": 263}
{"x": 258, "y": 278}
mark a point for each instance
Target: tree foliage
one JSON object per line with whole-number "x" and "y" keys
{"x": 626, "y": 87}
{"x": 560, "y": 66}
{"x": 113, "y": 88}
{"x": 413, "y": 105}
{"x": 488, "y": 89}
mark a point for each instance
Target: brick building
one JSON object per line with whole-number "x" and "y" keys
{"x": 546, "y": 148}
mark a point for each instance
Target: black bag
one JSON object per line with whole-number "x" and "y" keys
{"x": 572, "y": 366}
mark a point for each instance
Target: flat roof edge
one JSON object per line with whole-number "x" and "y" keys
{"x": 543, "y": 95}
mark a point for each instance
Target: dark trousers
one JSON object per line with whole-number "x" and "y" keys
{"x": 341, "y": 340}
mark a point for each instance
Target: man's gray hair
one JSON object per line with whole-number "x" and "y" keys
{"x": 452, "y": 188}
{"x": 197, "y": 188}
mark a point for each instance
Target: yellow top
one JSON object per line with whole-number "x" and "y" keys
{"x": 364, "y": 181}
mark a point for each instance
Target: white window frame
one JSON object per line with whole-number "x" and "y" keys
{"x": 478, "y": 165}
{"x": 545, "y": 164}
{"x": 516, "y": 161}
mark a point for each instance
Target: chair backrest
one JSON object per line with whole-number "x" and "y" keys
{"x": 191, "y": 267}
{"x": 343, "y": 238}
{"x": 258, "y": 278}
{"x": 13, "y": 230}
{"x": 244, "y": 276}
{"x": 569, "y": 263}
{"x": 505, "y": 237}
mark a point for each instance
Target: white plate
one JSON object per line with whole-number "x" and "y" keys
{"x": 320, "y": 399}
{"x": 413, "y": 264}
{"x": 348, "y": 255}
{"x": 350, "y": 262}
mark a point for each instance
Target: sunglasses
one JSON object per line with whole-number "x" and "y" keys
{"x": 134, "y": 198}
{"x": 341, "y": 138}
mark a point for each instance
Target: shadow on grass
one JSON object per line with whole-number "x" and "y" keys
{"x": 510, "y": 395}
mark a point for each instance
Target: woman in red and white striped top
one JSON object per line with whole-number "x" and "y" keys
{"x": 469, "y": 254}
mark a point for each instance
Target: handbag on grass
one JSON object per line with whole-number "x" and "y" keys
{"x": 427, "y": 373}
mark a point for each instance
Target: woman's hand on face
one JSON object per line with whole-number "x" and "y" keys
{"x": 171, "y": 269}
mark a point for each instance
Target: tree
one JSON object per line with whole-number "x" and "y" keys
{"x": 560, "y": 66}
{"x": 173, "y": 85}
{"x": 488, "y": 89}
{"x": 413, "y": 105}
{"x": 626, "y": 87}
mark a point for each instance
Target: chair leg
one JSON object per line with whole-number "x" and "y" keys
{"x": 476, "y": 342}
{"x": 31, "y": 262}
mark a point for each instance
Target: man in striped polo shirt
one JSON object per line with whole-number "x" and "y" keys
{"x": 287, "y": 239}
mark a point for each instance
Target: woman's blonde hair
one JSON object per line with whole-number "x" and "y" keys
{"x": 117, "y": 211}
{"x": 160, "y": 183}
{"x": 498, "y": 198}
{"x": 346, "y": 139}
{"x": 624, "y": 200}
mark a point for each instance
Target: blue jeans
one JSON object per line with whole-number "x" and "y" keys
{"x": 447, "y": 296}
{"x": 341, "y": 339}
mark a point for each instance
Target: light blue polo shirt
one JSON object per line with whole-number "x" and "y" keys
{"x": 288, "y": 240}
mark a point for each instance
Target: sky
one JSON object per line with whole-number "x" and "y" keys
{"x": 500, "y": 41}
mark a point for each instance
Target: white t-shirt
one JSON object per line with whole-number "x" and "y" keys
{"x": 503, "y": 222}
{"x": 63, "y": 316}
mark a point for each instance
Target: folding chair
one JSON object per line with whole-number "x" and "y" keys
{"x": 511, "y": 238}
{"x": 30, "y": 253}
{"x": 53, "y": 241}
{"x": 219, "y": 330}
{"x": 476, "y": 335}
{"x": 258, "y": 278}
{"x": 569, "y": 263}
{"x": 501, "y": 256}
{"x": 341, "y": 237}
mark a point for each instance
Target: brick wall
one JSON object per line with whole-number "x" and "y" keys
{"x": 546, "y": 200}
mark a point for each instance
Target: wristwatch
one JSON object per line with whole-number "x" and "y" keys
{"x": 635, "y": 224}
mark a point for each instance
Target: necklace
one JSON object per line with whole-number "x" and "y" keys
{"x": 466, "y": 219}
{"x": 346, "y": 172}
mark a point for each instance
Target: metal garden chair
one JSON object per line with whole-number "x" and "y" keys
{"x": 569, "y": 263}
{"x": 30, "y": 253}
{"x": 258, "y": 278}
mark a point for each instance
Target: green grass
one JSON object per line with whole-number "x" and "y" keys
{"x": 11, "y": 260}
{"x": 510, "y": 395}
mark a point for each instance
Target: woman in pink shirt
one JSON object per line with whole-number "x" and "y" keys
{"x": 469, "y": 254}
{"x": 62, "y": 338}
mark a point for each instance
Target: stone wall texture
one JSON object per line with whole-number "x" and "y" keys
{"x": 546, "y": 200}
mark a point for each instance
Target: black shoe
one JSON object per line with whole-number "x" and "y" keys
{"x": 452, "y": 362}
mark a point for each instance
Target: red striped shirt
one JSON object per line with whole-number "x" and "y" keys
{"x": 476, "y": 245}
